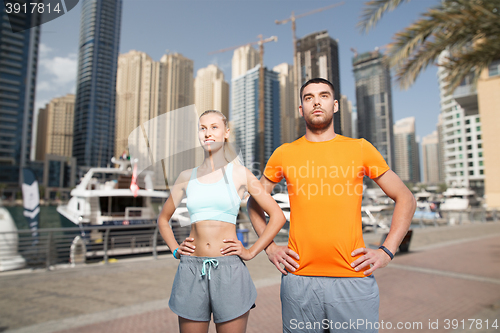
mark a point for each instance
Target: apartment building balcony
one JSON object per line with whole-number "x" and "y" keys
{"x": 466, "y": 96}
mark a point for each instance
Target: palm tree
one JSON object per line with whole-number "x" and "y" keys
{"x": 468, "y": 29}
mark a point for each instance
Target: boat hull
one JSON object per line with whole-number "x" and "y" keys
{"x": 9, "y": 256}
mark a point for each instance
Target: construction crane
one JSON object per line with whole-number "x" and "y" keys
{"x": 261, "y": 43}
{"x": 355, "y": 51}
{"x": 373, "y": 53}
{"x": 292, "y": 19}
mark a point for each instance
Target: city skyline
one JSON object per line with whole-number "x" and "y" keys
{"x": 59, "y": 43}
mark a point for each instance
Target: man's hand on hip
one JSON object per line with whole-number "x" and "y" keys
{"x": 282, "y": 255}
{"x": 376, "y": 258}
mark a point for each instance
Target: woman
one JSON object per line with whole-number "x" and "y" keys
{"x": 211, "y": 277}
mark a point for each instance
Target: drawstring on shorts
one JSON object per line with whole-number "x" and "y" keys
{"x": 210, "y": 263}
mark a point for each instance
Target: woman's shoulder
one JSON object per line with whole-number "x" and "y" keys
{"x": 241, "y": 172}
{"x": 185, "y": 175}
{"x": 239, "y": 169}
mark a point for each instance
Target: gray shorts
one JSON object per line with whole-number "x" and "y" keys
{"x": 329, "y": 304}
{"x": 218, "y": 285}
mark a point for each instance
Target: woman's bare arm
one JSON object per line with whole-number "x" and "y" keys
{"x": 276, "y": 221}
{"x": 176, "y": 194}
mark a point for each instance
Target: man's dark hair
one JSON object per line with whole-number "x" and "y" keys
{"x": 316, "y": 80}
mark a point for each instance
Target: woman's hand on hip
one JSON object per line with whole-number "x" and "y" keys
{"x": 187, "y": 247}
{"x": 235, "y": 247}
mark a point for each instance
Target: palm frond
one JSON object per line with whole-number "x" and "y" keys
{"x": 467, "y": 28}
{"x": 373, "y": 12}
{"x": 426, "y": 55}
{"x": 474, "y": 61}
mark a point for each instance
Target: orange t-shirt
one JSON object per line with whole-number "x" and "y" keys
{"x": 325, "y": 187}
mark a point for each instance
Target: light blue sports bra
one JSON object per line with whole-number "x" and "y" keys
{"x": 217, "y": 201}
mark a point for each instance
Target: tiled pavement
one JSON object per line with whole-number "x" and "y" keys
{"x": 451, "y": 273}
{"x": 451, "y": 282}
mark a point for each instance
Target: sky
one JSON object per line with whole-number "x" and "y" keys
{"x": 195, "y": 28}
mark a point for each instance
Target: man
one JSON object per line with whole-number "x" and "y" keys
{"x": 330, "y": 285}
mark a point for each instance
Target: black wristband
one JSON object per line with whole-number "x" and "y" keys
{"x": 386, "y": 250}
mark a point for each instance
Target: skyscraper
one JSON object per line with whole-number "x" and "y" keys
{"x": 318, "y": 56}
{"x": 354, "y": 122}
{"x": 440, "y": 133}
{"x": 176, "y": 92}
{"x": 345, "y": 109}
{"x": 374, "y": 102}
{"x": 18, "y": 68}
{"x": 137, "y": 94}
{"x": 211, "y": 91}
{"x": 462, "y": 135}
{"x": 94, "y": 131}
{"x": 55, "y": 128}
{"x": 407, "y": 158}
{"x": 244, "y": 59}
{"x": 176, "y": 82}
{"x": 156, "y": 118}
{"x": 245, "y": 115}
{"x": 430, "y": 156}
{"x": 288, "y": 112}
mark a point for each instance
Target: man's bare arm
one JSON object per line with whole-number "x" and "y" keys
{"x": 276, "y": 254}
{"x": 404, "y": 209}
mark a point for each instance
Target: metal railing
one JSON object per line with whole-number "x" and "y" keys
{"x": 437, "y": 218}
{"x": 451, "y": 217}
{"x": 100, "y": 243}
{"x": 78, "y": 245}
{"x": 55, "y": 246}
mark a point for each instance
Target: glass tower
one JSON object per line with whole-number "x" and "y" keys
{"x": 94, "y": 125}
{"x": 374, "y": 103}
{"x": 18, "y": 67}
{"x": 245, "y": 115}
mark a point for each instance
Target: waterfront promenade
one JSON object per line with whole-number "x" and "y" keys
{"x": 451, "y": 272}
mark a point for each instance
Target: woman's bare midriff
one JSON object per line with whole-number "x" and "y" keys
{"x": 209, "y": 235}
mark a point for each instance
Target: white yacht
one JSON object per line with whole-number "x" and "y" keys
{"x": 427, "y": 208}
{"x": 373, "y": 218}
{"x": 104, "y": 197}
{"x": 423, "y": 199}
{"x": 9, "y": 256}
{"x": 458, "y": 199}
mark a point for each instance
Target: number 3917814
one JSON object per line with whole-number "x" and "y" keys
{"x": 33, "y": 7}
{"x": 470, "y": 324}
